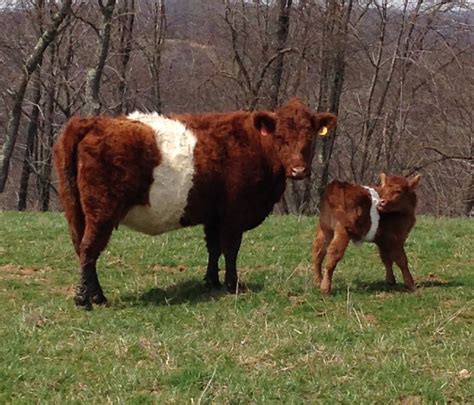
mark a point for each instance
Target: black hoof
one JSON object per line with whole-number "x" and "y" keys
{"x": 99, "y": 299}
{"x": 83, "y": 301}
{"x": 213, "y": 284}
{"x": 236, "y": 288}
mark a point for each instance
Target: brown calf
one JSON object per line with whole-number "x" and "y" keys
{"x": 155, "y": 174}
{"x": 383, "y": 215}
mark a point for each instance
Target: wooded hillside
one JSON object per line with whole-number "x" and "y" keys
{"x": 399, "y": 74}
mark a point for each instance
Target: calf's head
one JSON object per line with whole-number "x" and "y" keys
{"x": 397, "y": 193}
{"x": 293, "y": 128}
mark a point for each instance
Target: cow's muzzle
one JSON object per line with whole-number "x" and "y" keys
{"x": 298, "y": 172}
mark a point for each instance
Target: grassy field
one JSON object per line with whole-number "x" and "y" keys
{"x": 165, "y": 339}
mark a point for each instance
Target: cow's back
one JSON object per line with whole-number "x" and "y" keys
{"x": 349, "y": 205}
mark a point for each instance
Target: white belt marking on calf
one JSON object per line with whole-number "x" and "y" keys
{"x": 374, "y": 215}
{"x": 173, "y": 177}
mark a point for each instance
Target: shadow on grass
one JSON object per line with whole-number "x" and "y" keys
{"x": 361, "y": 286}
{"x": 184, "y": 292}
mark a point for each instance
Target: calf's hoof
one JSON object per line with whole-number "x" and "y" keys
{"x": 326, "y": 291}
{"x": 409, "y": 288}
{"x": 325, "y": 288}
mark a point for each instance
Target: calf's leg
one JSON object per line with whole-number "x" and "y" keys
{"x": 319, "y": 253}
{"x": 386, "y": 256}
{"x": 214, "y": 250}
{"x": 96, "y": 237}
{"x": 402, "y": 262}
{"x": 335, "y": 252}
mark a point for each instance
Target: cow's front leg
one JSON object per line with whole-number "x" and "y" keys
{"x": 214, "y": 250}
{"x": 230, "y": 245}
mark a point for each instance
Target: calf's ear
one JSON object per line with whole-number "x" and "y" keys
{"x": 323, "y": 122}
{"x": 265, "y": 122}
{"x": 413, "y": 181}
{"x": 383, "y": 178}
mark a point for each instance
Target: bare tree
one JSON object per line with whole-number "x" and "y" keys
{"x": 103, "y": 42}
{"x": 281, "y": 37}
{"x": 152, "y": 45}
{"x": 30, "y": 66}
{"x": 126, "y": 20}
{"x": 28, "y": 164}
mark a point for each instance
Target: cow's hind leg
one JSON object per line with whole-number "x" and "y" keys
{"x": 213, "y": 248}
{"x": 95, "y": 239}
{"x": 320, "y": 246}
{"x": 336, "y": 249}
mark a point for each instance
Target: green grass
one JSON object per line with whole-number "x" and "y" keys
{"x": 165, "y": 339}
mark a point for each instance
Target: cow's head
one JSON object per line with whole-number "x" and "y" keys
{"x": 293, "y": 128}
{"x": 397, "y": 193}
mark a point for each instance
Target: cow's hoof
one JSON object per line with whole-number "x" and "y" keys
{"x": 82, "y": 300}
{"x": 409, "y": 288}
{"x": 237, "y": 288}
{"x": 100, "y": 299}
{"x": 213, "y": 284}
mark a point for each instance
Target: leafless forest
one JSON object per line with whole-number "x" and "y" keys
{"x": 398, "y": 73}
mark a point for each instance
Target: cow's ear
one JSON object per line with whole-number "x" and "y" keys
{"x": 323, "y": 122}
{"x": 383, "y": 178}
{"x": 265, "y": 122}
{"x": 413, "y": 181}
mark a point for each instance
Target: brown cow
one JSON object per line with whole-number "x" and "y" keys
{"x": 383, "y": 215}
{"x": 155, "y": 174}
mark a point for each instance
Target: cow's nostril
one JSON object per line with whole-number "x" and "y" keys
{"x": 298, "y": 171}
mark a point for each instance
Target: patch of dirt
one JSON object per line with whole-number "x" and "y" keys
{"x": 14, "y": 272}
{"x": 431, "y": 277}
{"x": 412, "y": 400}
{"x": 169, "y": 269}
{"x": 261, "y": 361}
{"x": 11, "y": 271}
{"x": 371, "y": 319}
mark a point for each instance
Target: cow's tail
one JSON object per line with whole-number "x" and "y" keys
{"x": 65, "y": 163}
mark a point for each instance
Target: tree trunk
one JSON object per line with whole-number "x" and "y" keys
{"x": 154, "y": 58}
{"x": 303, "y": 197}
{"x": 30, "y": 66}
{"x": 126, "y": 20}
{"x": 46, "y": 166}
{"x": 341, "y": 24}
{"x": 30, "y": 140}
{"x": 281, "y": 37}
{"x": 95, "y": 74}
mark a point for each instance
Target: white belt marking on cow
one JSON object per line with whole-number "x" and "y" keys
{"x": 374, "y": 215}
{"x": 173, "y": 177}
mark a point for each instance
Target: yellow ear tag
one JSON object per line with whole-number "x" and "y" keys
{"x": 323, "y": 131}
